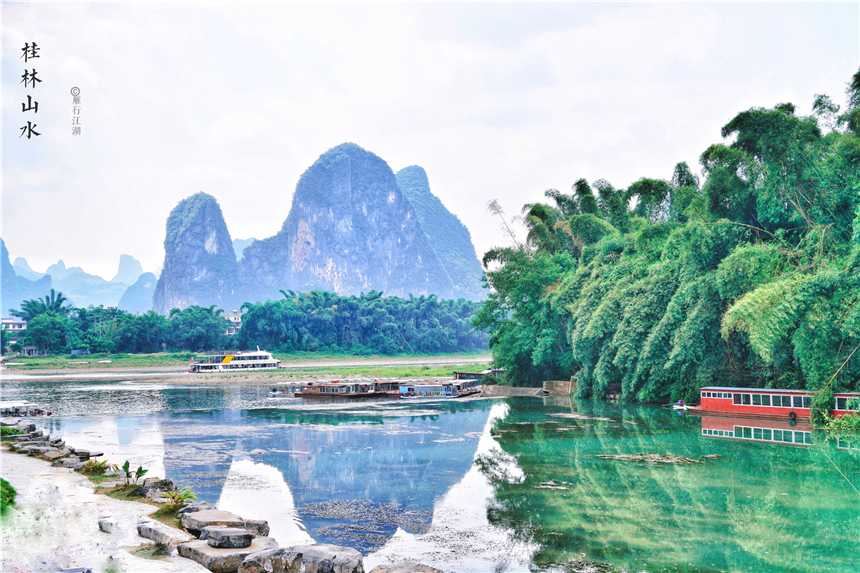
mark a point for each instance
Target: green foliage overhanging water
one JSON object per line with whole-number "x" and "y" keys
{"x": 748, "y": 278}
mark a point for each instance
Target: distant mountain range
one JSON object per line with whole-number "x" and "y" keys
{"x": 353, "y": 227}
{"x": 125, "y": 290}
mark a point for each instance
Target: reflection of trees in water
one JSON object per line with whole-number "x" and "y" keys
{"x": 760, "y": 507}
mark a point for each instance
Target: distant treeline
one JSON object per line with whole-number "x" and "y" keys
{"x": 369, "y": 323}
{"x": 315, "y": 321}
{"x": 750, "y": 277}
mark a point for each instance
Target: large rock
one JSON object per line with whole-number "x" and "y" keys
{"x": 162, "y": 533}
{"x": 257, "y": 526}
{"x": 405, "y": 568}
{"x": 350, "y": 230}
{"x": 52, "y": 455}
{"x": 273, "y": 561}
{"x": 155, "y": 488}
{"x": 229, "y": 537}
{"x": 223, "y": 560}
{"x": 199, "y": 262}
{"x": 324, "y": 558}
{"x": 196, "y": 521}
{"x": 107, "y": 524}
{"x": 196, "y": 506}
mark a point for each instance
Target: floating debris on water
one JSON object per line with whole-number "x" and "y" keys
{"x": 551, "y": 484}
{"x": 651, "y": 458}
{"x": 574, "y": 416}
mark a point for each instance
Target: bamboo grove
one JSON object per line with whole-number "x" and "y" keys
{"x": 748, "y": 277}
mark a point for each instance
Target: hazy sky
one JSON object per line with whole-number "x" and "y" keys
{"x": 493, "y": 100}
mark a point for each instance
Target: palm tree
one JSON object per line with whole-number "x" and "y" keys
{"x": 34, "y": 307}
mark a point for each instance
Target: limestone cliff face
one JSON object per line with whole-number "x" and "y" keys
{"x": 350, "y": 230}
{"x": 199, "y": 261}
{"x": 448, "y": 235}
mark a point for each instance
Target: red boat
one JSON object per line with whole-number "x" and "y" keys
{"x": 769, "y": 403}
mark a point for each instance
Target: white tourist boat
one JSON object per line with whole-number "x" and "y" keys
{"x": 234, "y": 361}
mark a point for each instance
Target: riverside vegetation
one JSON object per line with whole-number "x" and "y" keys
{"x": 300, "y": 322}
{"x": 748, "y": 277}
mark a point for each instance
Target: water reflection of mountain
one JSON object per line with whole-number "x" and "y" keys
{"x": 387, "y": 464}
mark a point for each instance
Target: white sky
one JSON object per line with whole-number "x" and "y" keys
{"x": 493, "y": 100}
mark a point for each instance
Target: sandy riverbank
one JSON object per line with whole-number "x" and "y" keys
{"x": 55, "y": 524}
{"x": 295, "y": 370}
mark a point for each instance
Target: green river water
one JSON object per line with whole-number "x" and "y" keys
{"x": 480, "y": 485}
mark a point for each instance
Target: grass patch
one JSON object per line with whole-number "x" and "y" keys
{"x": 124, "y": 492}
{"x": 101, "y": 478}
{"x": 169, "y": 515}
{"x": 148, "y": 551}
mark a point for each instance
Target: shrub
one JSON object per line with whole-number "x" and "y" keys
{"x": 179, "y": 497}
{"x": 6, "y": 431}
{"x": 846, "y": 422}
{"x": 7, "y": 495}
{"x": 94, "y": 468}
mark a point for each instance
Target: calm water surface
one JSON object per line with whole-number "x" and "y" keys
{"x": 480, "y": 485}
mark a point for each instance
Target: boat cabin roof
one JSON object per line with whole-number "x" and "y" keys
{"x": 768, "y": 391}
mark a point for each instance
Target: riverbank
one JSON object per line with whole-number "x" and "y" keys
{"x": 173, "y": 361}
{"x": 55, "y": 524}
{"x": 292, "y": 370}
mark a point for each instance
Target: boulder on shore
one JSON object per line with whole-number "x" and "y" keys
{"x": 285, "y": 560}
{"x": 223, "y": 560}
{"x": 325, "y": 558}
{"x": 107, "y": 524}
{"x": 162, "y": 533}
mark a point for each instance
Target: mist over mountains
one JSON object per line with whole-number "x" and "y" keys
{"x": 353, "y": 227}
{"x": 20, "y": 282}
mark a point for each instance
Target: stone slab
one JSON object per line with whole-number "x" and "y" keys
{"x": 325, "y": 558}
{"x": 221, "y": 560}
{"x": 196, "y": 506}
{"x": 162, "y": 533}
{"x": 52, "y": 454}
{"x": 258, "y": 527}
{"x": 231, "y": 537}
{"x": 196, "y": 521}
{"x": 272, "y": 561}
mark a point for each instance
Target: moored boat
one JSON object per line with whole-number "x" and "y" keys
{"x": 769, "y": 403}
{"x": 336, "y": 389}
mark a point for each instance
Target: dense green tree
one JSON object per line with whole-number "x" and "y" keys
{"x": 52, "y": 332}
{"x": 368, "y": 323}
{"x": 751, "y": 278}
{"x": 198, "y": 328}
